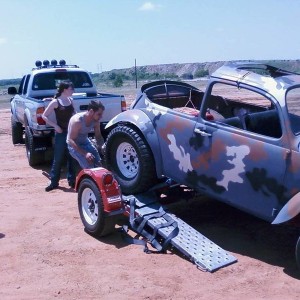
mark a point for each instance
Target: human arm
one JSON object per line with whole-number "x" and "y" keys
{"x": 98, "y": 136}
{"x": 73, "y": 131}
{"x": 48, "y": 111}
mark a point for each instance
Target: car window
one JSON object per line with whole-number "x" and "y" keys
{"x": 244, "y": 109}
{"x": 293, "y": 106}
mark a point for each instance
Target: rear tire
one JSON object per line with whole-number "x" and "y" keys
{"x": 130, "y": 158}
{"x": 34, "y": 157}
{"x": 16, "y": 132}
{"x": 91, "y": 209}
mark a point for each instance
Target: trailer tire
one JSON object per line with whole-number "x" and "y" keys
{"x": 91, "y": 209}
{"x": 131, "y": 160}
{"x": 16, "y": 132}
{"x": 34, "y": 157}
{"x": 298, "y": 253}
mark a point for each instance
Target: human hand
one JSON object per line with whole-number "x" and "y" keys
{"x": 89, "y": 157}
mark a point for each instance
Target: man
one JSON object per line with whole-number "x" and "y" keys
{"x": 79, "y": 145}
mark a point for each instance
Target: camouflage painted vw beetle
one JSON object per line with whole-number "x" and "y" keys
{"x": 237, "y": 142}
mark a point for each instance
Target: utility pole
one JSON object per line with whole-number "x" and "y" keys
{"x": 99, "y": 68}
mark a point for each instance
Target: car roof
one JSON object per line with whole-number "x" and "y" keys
{"x": 162, "y": 82}
{"x": 259, "y": 75}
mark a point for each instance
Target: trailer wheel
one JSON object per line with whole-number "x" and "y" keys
{"x": 34, "y": 157}
{"x": 16, "y": 132}
{"x": 130, "y": 158}
{"x": 298, "y": 253}
{"x": 91, "y": 209}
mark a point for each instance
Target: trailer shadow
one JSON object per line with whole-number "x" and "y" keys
{"x": 239, "y": 232}
{"x": 120, "y": 238}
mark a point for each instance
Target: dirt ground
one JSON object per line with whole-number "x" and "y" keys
{"x": 46, "y": 254}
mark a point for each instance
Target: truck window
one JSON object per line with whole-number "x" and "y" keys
{"x": 244, "y": 109}
{"x": 20, "y": 89}
{"x": 50, "y": 81}
{"x": 26, "y": 84}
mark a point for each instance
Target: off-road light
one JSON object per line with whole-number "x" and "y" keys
{"x": 62, "y": 62}
{"x": 53, "y": 62}
{"x": 46, "y": 62}
{"x": 38, "y": 63}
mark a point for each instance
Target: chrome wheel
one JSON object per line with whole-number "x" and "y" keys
{"x": 89, "y": 205}
{"x": 127, "y": 160}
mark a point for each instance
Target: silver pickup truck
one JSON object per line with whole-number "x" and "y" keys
{"x": 34, "y": 94}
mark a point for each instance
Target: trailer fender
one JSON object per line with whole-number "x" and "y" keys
{"x": 108, "y": 187}
{"x": 142, "y": 122}
{"x": 289, "y": 211}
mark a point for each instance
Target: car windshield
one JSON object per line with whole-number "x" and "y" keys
{"x": 50, "y": 81}
{"x": 293, "y": 106}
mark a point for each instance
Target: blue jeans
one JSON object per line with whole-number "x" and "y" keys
{"x": 60, "y": 152}
{"x": 88, "y": 147}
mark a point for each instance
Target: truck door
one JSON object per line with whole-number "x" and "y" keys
{"x": 238, "y": 155}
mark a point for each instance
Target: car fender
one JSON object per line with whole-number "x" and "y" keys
{"x": 13, "y": 109}
{"x": 290, "y": 210}
{"x": 140, "y": 121}
{"x": 27, "y": 118}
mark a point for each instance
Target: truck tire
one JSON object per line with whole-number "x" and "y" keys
{"x": 130, "y": 158}
{"x": 91, "y": 209}
{"x": 16, "y": 132}
{"x": 34, "y": 157}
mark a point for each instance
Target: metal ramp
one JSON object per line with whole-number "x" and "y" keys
{"x": 146, "y": 211}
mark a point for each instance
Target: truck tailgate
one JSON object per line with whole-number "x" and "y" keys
{"x": 112, "y": 104}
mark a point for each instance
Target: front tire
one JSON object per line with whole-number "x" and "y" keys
{"x": 34, "y": 157}
{"x": 130, "y": 158}
{"x": 16, "y": 132}
{"x": 91, "y": 209}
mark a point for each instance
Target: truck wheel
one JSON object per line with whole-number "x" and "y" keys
{"x": 130, "y": 158}
{"x": 91, "y": 209}
{"x": 16, "y": 132}
{"x": 298, "y": 253}
{"x": 34, "y": 157}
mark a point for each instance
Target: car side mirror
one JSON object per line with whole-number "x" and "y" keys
{"x": 12, "y": 90}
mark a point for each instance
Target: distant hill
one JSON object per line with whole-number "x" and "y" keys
{"x": 185, "y": 70}
{"x": 171, "y": 71}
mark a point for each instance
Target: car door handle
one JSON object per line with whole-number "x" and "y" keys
{"x": 201, "y": 132}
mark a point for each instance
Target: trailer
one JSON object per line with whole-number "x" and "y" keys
{"x": 101, "y": 202}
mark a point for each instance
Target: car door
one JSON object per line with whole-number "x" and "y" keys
{"x": 175, "y": 130}
{"x": 238, "y": 165}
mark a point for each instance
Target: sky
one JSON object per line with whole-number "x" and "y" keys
{"x": 102, "y": 35}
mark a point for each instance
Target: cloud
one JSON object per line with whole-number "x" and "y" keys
{"x": 149, "y": 6}
{"x": 3, "y": 41}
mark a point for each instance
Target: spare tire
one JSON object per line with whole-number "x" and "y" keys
{"x": 131, "y": 160}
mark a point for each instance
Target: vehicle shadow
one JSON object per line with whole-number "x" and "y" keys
{"x": 238, "y": 232}
{"x": 231, "y": 229}
{"x": 2, "y": 235}
{"x": 119, "y": 237}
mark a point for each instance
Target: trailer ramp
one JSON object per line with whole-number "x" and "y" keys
{"x": 149, "y": 219}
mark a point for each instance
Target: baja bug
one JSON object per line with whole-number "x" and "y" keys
{"x": 237, "y": 142}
